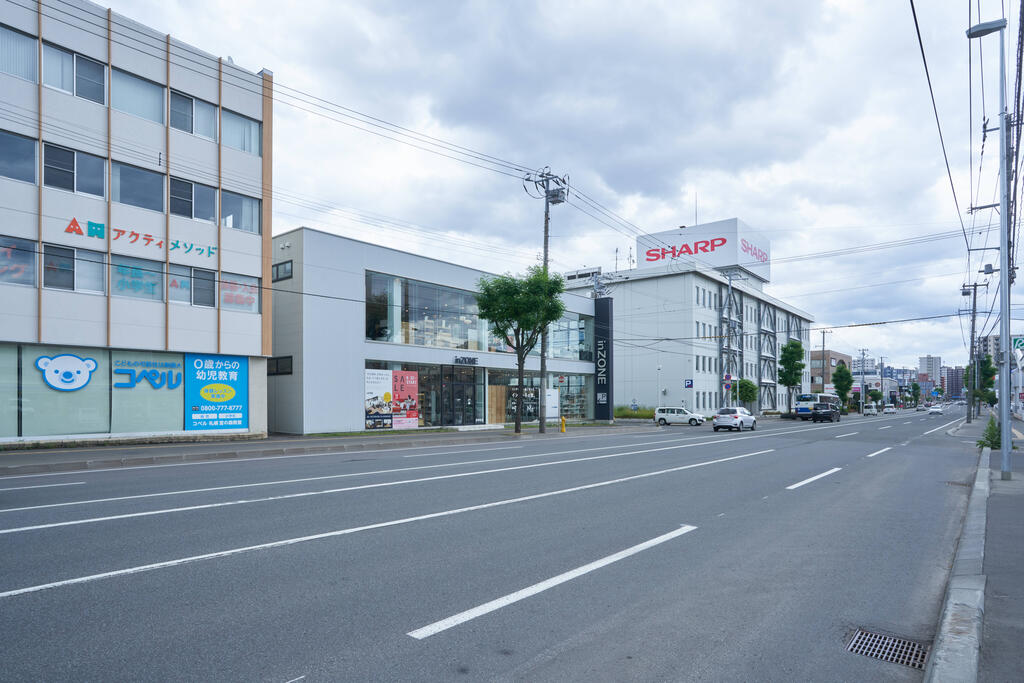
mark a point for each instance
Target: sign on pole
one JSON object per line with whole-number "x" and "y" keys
{"x": 1018, "y": 343}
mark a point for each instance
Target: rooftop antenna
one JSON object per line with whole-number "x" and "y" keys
{"x": 616, "y": 259}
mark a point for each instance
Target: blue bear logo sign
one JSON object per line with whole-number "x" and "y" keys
{"x": 66, "y": 372}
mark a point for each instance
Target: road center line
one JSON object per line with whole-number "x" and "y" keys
{"x": 814, "y": 478}
{"x": 43, "y": 486}
{"x": 885, "y": 427}
{"x": 871, "y": 455}
{"x": 306, "y": 494}
{"x": 506, "y": 600}
{"x": 907, "y": 422}
{"x": 845, "y": 435}
{"x": 941, "y": 427}
{"x": 368, "y": 527}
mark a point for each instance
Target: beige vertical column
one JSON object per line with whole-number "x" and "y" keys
{"x": 220, "y": 184}
{"x": 167, "y": 204}
{"x": 110, "y": 167}
{"x": 266, "y": 204}
{"x": 39, "y": 203}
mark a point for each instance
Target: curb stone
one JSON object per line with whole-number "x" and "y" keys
{"x": 956, "y": 652}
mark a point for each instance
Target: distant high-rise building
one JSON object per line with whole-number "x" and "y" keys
{"x": 865, "y": 366}
{"x": 931, "y": 366}
{"x": 953, "y": 381}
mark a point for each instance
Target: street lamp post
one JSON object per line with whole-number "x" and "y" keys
{"x": 1005, "y": 435}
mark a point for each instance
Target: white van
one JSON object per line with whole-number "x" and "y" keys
{"x": 677, "y": 416}
{"x": 870, "y": 409}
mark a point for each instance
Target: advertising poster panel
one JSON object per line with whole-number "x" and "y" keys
{"x": 148, "y": 393}
{"x": 216, "y": 392}
{"x": 378, "y": 387}
{"x": 405, "y": 399}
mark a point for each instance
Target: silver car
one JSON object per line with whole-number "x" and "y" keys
{"x": 676, "y": 416}
{"x": 733, "y": 418}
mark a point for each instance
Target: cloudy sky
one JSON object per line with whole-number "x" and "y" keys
{"x": 808, "y": 120}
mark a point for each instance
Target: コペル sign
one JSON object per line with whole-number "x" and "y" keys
{"x": 718, "y": 245}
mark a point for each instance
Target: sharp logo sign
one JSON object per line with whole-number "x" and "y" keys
{"x": 698, "y": 247}
{"x": 759, "y": 254}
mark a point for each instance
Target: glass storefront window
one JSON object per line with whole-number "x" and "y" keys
{"x": 147, "y": 394}
{"x": 405, "y": 311}
{"x": 8, "y": 390}
{"x": 64, "y": 390}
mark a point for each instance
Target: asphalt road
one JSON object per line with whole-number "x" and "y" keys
{"x": 655, "y": 554}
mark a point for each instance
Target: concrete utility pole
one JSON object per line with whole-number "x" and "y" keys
{"x": 729, "y": 346}
{"x": 971, "y": 390}
{"x": 862, "y": 361}
{"x": 552, "y": 195}
{"x": 1005, "y": 276}
{"x": 881, "y": 378}
{"x": 823, "y": 333}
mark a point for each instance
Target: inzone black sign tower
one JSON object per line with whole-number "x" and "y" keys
{"x": 604, "y": 402}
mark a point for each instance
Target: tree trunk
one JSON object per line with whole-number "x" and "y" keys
{"x": 521, "y": 360}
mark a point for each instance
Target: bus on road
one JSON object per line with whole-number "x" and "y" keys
{"x": 805, "y": 403}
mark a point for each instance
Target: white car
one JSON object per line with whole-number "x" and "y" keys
{"x": 870, "y": 410}
{"x": 734, "y": 418}
{"x": 677, "y": 416}
{"x": 889, "y": 409}
{"x": 935, "y": 410}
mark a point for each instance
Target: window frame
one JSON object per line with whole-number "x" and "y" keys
{"x": 192, "y": 102}
{"x": 161, "y": 271}
{"x": 274, "y": 364}
{"x": 74, "y": 74}
{"x": 259, "y": 138}
{"x": 275, "y": 271}
{"x": 28, "y": 246}
{"x": 74, "y": 269}
{"x": 191, "y": 285}
{"x": 35, "y": 156}
{"x": 192, "y": 200}
{"x": 258, "y": 214}
{"x": 164, "y": 97}
{"x": 74, "y": 171}
{"x": 164, "y": 185}
{"x": 35, "y": 64}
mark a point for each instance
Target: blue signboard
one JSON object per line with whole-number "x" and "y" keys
{"x": 216, "y": 392}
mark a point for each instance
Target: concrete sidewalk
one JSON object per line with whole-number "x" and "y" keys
{"x": 41, "y": 460}
{"x": 982, "y": 622}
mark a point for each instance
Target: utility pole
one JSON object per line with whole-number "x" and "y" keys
{"x": 971, "y": 398}
{"x": 543, "y": 180}
{"x": 727, "y": 340}
{"x": 1005, "y": 276}
{"x": 823, "y": 333}
{"x": 862, "y": 362}
{"x": 881, "y": 378}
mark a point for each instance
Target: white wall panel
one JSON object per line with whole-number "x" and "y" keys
{"x": 240, "y": 252}
{"x": 193, "y": 328}
{"x": 193, "y": 158}
{"x": 138, "y": 141}
{"x": 240, "y": 333}
{"x": 74, "y": 318}
{"x": 136, "y": 323}
{"x": 18, "y": 208}
{"x": 20, "y": 105}
{"x": 74, "y": 122}
{"x": 18, "y": 314}
{"x": 137, "y": 232}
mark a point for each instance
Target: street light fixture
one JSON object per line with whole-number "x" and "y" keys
{"x": 1005, "y": 435}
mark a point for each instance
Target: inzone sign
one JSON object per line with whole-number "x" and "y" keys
{"x": 721, "y": 244}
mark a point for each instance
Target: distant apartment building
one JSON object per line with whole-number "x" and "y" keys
{"x": 823, "y": 364}
{"x": 863, "y": 366}
{"x": 953, "y": 381}
{"x": 135, "y": 182}
{"x": 930, "y": 366}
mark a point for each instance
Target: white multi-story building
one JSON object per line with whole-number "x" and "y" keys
{"x": 931, "y": 366}
{"x": 866, "y": 365}
{"x": 135, "y": 181}
{"x": 695, "y": 312}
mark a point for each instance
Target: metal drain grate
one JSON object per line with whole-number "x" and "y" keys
{"x": 889, "y": 649}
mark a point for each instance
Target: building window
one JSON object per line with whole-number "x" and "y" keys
{"x": 281, "y": 271}
{"x": 241, "y": 132}
{"x": 240, "y": 293}
{"x": 73, "y": 73}
{"x": 73, "y": 269}
{"x": 17, "y": 54}
{"x": 136, "y": 277}
{"x": 192, "y": 285}
{"x": 193, "y": 200}
{"x": 17, "y": 155}
{"x": 134, "y": 95}
{"x": 281, "y": 365}
{"x": 239, "y": 212}
{"x": 73, "y": 171}
{"x": 138, "y": 187}
{"x": 17, "y": 261}
{"x": 193, "y": 116}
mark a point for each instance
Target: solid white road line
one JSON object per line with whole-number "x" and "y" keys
{"x": 907, "y": 422}
{"x": 306, "y": 494}
{"x": 43, "y": 486}
{"x": 506, "y": 600}
{"x": 941, "y": 427}
{"x": 845, "y": 435}
{"x": 886, "y": 427}
{"x": 871, "y": 455}
{"x": 477, "y": 450}
{"x": 330, "y": 476}
{"x": 368, "y": 527}
{"x": 814, "y": 478}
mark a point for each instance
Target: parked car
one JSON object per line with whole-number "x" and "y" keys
{"x": 824, "y": 411}
{"x": 733, "y": 418}
{"x": 870, "y": 409}
{"x": 921, "y": 408}
{"x": 677, "y": 416}
{"x": 935, "y": 410}
{"x": 889, "y": 409}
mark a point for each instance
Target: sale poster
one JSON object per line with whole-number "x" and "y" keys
{"x": 404, "y": 400}
{"x": 377, "y": 403}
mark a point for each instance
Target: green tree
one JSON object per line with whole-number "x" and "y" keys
{"x": 939, "y": 391}
{"x": 745, "y": 391}
{"x": 915, "y": 391}
{"x": 875, "y": 395}
{"x": 791, "y": 368}
{"x": 842, "y": 378}
{"x": 518, "y": 309}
